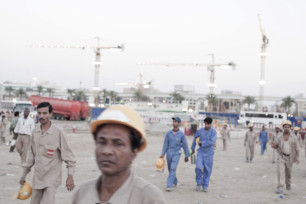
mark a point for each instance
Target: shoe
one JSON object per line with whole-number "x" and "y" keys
{"x": 169, "y": 189}
{"x": 198, "y": 188}
{"x": 250, "y": 160}
{"x": 204, "y": 189}
{"x": 288, "y": 187}
{"x": 273, "y": 162}
{"x": 279, "y": 191}
{"x": 175, "y": 185}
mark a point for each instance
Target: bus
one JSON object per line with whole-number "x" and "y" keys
{"x": 265, "y": 118}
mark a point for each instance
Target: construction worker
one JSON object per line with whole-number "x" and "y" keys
{"x": 225, "y": 133}
{"x": 298, "y": 136}
{"x": 263, "y": 138}
{"x": 276, "y": 135}
{"x": 24, "y": 129}
{"x": 48, "y": 149}
{"x": 12, "y": 128}
{"x": 288, "y": 153}
{"x": 249, "y": 143}
{"x": 205, "y": 155}
{"x": 3, "y": 123}
{"x": 174, "y": 140}
{"x": 119, "y": 135}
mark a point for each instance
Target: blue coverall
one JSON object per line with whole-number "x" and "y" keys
{"x": 205, "y": 155}
{"x": 172, "y": 147}
{"x": 263, "y": 138}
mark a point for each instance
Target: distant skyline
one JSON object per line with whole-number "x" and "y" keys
{"x": 156, "y": 31}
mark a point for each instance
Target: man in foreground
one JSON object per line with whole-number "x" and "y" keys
{"x": 173, "y": 142}
{"x": 205, "y": 155}
{"x": 119, "y": 135}
{"x": 48, "y": 149}
{"x": 288, "y": 150}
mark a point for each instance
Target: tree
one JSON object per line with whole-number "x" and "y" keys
{"x": 287, "y": 103}
{"x": 79, "y": 96}
{"x": 50, "y": 91}
{"x": 40, "y": 89}
{"x": 177, "y": 96}
{"x": 113, "y": 95}
{"x": 71, "y": 93}
{"x": 105, "y": 94}
{"x": 10, "y": 90}
{"x": 249, "y": 100}
{"x": 140, "y": 96}
{"x": 212, "y": 102}
{"x": 20, "y": 93}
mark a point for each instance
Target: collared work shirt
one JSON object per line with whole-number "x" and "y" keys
{"x": 14, "y": 123}
{"x": 25, "y": 126}
{"x": 250, "y": 138}
{"x": 275, "y": 136}
{"x": 225, "y": 133}
{"x": 174, "y": 143}
{"x": 3, "y": 123}
{"x": 293, "y": 146}
{"x": 47, "y": 151}
{"x": 134, "y": 190}
{"x": 263, "y": 136}
{"x": 208, "y": 140}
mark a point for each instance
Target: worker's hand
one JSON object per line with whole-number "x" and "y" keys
{"x": 200, "y": 142}
{"x": 192, "y": 152}
{"x": 186, "y": 159}
{"x": 22, "y": 180}
{"x": 161, "y": 156}
{"x": 70, "y": 183}
{"x": 272, "y": 144}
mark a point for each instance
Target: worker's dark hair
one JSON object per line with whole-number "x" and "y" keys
{"x": 44, "y": 105}
{"x": 16, "y": 114}
{"x": 135, "y": 137}
{"x": 208, "y": 120}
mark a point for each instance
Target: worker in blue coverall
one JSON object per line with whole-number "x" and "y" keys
{"x": 263, "y": 138}
{"x": 205, "y": 155}
{"x": 174, "y": 141}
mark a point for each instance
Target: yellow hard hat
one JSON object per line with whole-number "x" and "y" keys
{"x": 124, "y": 115}
{"x": 250, "y": 125}
{"x": 287, "y": 122}
{"x": 296, "y": 128}
{"x": 160, "y": 164}
{"x": 25, "y": 191}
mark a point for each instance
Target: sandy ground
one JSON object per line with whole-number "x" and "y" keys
{"x": 232, "y": 179}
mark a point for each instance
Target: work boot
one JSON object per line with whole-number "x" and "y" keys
{"x": 247, "y": 160}
{"x": 279, "y": 191}
{"x": 169, "y": 189}
{"x": 288, "y": 187}
{"x": 198, "y": 188}
{"x": 250, "y": 160}
{"x": 204, "y": 189}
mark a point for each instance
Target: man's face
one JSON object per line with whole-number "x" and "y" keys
{"x": 251, "y": 128}
{"x": 277, "y": 130}
{"x": 207, "y": 126}
{"x": 225, "y": 126}
{"x": 175, "y": 124}
{"x": 26, "y": 113}
{"x": 286, "y": 129}
{"x": 114, "y": 153}
{"x": 263, "y": 128}
{"x": 43, "y": 115}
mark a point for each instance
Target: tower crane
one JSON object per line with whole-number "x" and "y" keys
{"x": 97, "y": 50}
{"x": 141, "y": 84}
{"x": 210, "y": 67}
{"x": 263, "y": 55}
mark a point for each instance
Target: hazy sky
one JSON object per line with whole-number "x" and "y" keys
{"x": 171, "y": 31}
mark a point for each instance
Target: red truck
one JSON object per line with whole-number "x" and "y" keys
{"x": 64, "y": 109}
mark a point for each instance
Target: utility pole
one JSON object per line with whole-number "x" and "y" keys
{"x": 263, "y": 55}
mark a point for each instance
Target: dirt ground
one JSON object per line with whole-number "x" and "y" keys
{"x": 232, "y": 179}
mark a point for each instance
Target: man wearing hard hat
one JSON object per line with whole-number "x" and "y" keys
{"x": 225, "y": 133}
{"x": 298, "y": 136}
{"x": 274, "y": 137}
{"x": 205, "y": 155}
{"x": 119, "y": 135}
{"x": 288, "y": 150}
{"x": 263, "y": 138}
{"x": 174, "y": 140}
{"x": 47, "y": 150}
{"x": 249, "y": 143}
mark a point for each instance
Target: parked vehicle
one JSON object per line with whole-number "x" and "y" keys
{"x": 64, "y": 109}
{"x": 267, "y": 118}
